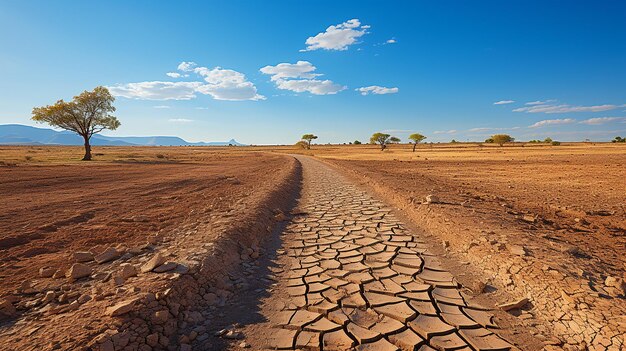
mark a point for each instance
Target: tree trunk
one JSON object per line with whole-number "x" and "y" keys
{"x": 383, "y": 146}
{"x": 87, "y": 156}
{"x": 414, "y": 145}
{"x": 309, "y": 145}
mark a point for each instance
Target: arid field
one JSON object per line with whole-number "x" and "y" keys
{"x": 451, "y": 247}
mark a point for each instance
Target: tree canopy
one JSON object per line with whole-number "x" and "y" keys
{"x": 86, "y": 115}
{"x": 380, "y": 138}
{"x": 394, "y": 140}
{"x": 501, "y": 139}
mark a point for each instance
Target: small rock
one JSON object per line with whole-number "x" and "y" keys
{"x": 127, "y": 270}
{"x": 244, "y": 345}
{"x": 84, "y": 299}
{"x": 514, "y": 305}
{"x": 154, "y": 262}
{"x": 432, "y": 199}
{"x": 165, "y": 267}
{"x": 47, "y": 272}
{"x": 231, "y": 334}
{"x": 517, "y": 250}
{"x": 7, "y": 308}
{"x": 152, "y": 339}
{"x": 50, "y": 295}
{"x": 121, "y": 308}
{"x": 58, "y": 274}
{"x": 108, "y": 255}
{"x": 78, "y": 271}
{"x": 185, "y": 347}
{"x": 529, "y": 218}
{"x": 83, "y": 256}
{"x": 160, "y": 317}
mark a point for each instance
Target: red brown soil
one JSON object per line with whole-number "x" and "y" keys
{"x": 48, "y": 212}
{"x": 566, "y": 210}
{"x": 580, "y": 201}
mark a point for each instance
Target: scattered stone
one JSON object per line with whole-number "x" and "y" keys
{"x": 232, "y": 334}
{"x": 152, "y": 339}
{"x": 58, "y": 274}
{"x": 185, "y": 347}
{"x": 84, "y": 299}
{"x": 7, "y": 308}
{"x": 121, "y": 308}
{"x": 78, "y": 270}
{"x": 154, "y": 262}
{"x": 432, "y": 199}
{"x": 50, "y": 295}
{"x": 83, "y": 256}
{"x": 517, "y": 250}
{"x": 244, "y": 345}
{"x": 514, "y": 305}
{"x": 165, "y": 267}
{"x": 127, "y": 270}
{"x": 47, "y": 272}
{"x": 529, "y": 218}
{"x": 108, "y": 255}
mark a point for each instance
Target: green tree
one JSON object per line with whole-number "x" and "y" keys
{"x": 417, "y": 138}
{"x": 489, "y": 140}
{"x": 380, "y": 138}
{"x": 308, "y": 138}
{"x": 86, "y": 115}
{"x": 618, "y": 139}
{"x": 547, "y": 140}
{"x": 394, "y": 140}
{"x": 502, "y": 139}
{"x": 356, "y": 142}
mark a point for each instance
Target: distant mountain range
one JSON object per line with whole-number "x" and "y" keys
{"x": 17, "y": 134}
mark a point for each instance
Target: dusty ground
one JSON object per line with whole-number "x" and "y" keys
{"x": 564, "y": 206}
{"x": 136, "y": 200}
{"x": 537, "y": 222}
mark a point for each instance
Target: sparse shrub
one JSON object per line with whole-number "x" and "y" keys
{"x": 28, "y": 158}
{"x": 308, "y": 138}
{"x": 302, "y": 144}
{"x": 394, "y": 140}
{"x": 618, "y": 139}
{"x": 356, "y": 142}
{"x": 547, "y": 140}
{"x": 453, "y": 141}
{"x": 490, "y": 141}
{"x": 160, "y": 156}
{"x": 555, "y": 143}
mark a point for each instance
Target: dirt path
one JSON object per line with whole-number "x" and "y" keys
{"x": 351, "y": 275}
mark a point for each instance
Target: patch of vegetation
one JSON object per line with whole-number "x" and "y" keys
{"x": 356, "y": 142}
{"x": 618, "y": 139}
{"x": 308, "y": 138}
{"x": 302, "y": 144}
{"x": 555, "y": 143}
{"x": 382, "y": 139}
{"x": 160, "y": 156}
{"x": 417, "y": 138}
{"x": 502, "y": 139}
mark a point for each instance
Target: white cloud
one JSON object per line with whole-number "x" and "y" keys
{"x": 391, "y": 41}
{"x": 300, "y": 69}
{"x": 337, "y": 37}
{"x": 226, "y": 84}
{"x": 161, "y": 106}
{"x": 219, "y": 83}
{"x": 173, "y": 74}
{"x": 543, "y": 107}
{"x": 451, "y": 131}
{"x": 156, "y": 90}
{"x": 299, "y": 77}
{"x": 375, "y": 89}
{"x": 313, "y": 86}
{"x": 602, "y": 120}
{"x": 549, "y": 122}
{"x": 186, "y": 66}
{"x": 180, "y": 120}
{"x": 504, "y": 102}
{"x": 539, "y": 102}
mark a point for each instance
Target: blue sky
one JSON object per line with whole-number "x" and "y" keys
{"x": 266, "y": 72}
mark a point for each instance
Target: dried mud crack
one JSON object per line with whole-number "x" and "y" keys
{"x": 349, "y": 275}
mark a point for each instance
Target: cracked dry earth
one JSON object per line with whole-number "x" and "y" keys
{"x": 353, "y": 277}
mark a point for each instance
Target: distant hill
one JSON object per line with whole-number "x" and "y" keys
{"x": 17, "y": 134}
